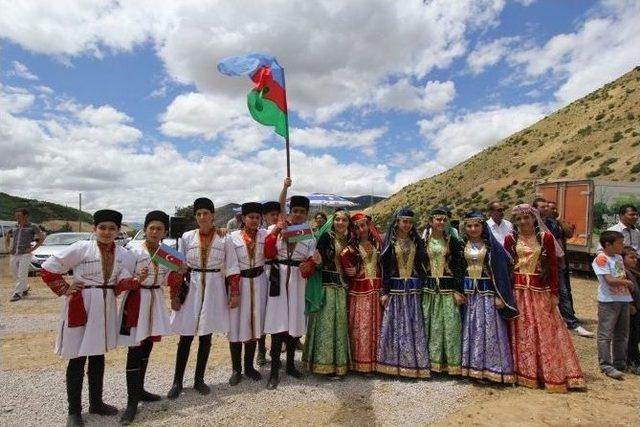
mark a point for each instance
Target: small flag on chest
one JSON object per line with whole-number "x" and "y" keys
{"x": 168, "y": 257}
{"x": 298, "y": 232}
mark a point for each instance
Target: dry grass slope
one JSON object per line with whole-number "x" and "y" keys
{"x": 597, "y": 136}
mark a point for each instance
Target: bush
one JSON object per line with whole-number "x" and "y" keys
{"x": 617, "y": 136}
{"x": 533, "y": 168}
{"x": 600, "y": 116}
{"x": 585, "y": 159}
{"x": 585, "y": 131}
{"x": 635, "y": 168}
{"x": 563, "y": 173}
{"x": 572, "y": 161}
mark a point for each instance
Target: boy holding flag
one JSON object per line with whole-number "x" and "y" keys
{"x": 293, "y": 264}
{"x": 143, "y": 314}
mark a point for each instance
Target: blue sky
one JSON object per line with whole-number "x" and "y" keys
{"x": 122, "y": 101}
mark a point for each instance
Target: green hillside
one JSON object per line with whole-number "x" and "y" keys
{"x": 39, "y": 211}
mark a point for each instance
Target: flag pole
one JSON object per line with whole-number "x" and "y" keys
{"x": 286, "y": 121}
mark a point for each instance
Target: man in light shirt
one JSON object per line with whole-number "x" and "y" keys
{"x": 499, "y": 226}
{"x": 627, "y": 226}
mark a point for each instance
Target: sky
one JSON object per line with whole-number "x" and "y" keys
{"x": 121, "y": 100}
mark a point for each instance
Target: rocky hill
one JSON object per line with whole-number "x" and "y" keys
{"x": 597, "y": 136}
{"x": 39, "y": 211}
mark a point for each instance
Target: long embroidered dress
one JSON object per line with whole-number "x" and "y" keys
{"x": 486, "y": 351}
{"x": 327, "y": 342}
{"x": 543, "y": 353}
{"x": 402, "y": 347}
{"x": 365, "y": 311}
{"x": 442, "y": 318}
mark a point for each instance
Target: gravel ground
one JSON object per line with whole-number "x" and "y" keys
{"x": 37, "y": 397}
{"x": 17, "y": 323}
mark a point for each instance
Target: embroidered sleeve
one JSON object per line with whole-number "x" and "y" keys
{"x": 55, "y": 282}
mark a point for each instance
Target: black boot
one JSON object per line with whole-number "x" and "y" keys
{"x": 201, "y": 364}
{"x": 182, "y": 356}
{"x": 261, "y": 358}
{"x": 75, "y": 376}
{"x": 249, "y": 370}
{"x": 276, "y": 348}
{"x": 145, "y": 396}
{"x": 96, "y": 379}
{"x": 236, "y": 363}
{"x": 291, "y": 354}
{"x": 133, "y": 396}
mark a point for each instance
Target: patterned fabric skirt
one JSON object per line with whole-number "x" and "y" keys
{"x": 443, "y": 326}
{"x": 326, "y": 349}
{"x": 543, "y": 353}
{"x": 402, "y": 347}
{"x": 486, "y": 351}
{"x": 364, "y": 323}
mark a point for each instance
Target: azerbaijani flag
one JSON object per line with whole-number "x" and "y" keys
{"x": 267, "y": 101}
{"x": 169, "y": 257}
{"x": 298, "y": 232}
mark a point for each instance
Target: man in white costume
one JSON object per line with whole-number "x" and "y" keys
{"x": 212, "y": 264}
{"x": 89, "y": 319}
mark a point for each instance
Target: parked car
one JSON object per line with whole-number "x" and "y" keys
{"x": 122, "y": 239}
{"x": 5, "y": 226}
{"x": 54, "y": 244}
{"x": 138, "y": 239}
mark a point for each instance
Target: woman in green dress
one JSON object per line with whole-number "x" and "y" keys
{"x": 443, "y": 294}
{"x": 326, "y": 348}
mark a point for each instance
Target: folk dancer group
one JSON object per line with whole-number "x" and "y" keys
{"x": 406, "y": 305}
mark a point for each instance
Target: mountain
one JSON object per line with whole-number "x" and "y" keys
{"x": 39, "y": 211}
{"x": 364, "y": 202}
{"x": 597, "y": 136}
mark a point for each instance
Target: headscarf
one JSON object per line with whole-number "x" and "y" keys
{"x": 314, "y": 291}
{"x": 525, "y": 208}
{"x": 387, "y": 254}
{"x": 373, "y": 230}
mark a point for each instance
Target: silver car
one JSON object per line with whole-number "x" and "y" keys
{"x": 54, "y": 244}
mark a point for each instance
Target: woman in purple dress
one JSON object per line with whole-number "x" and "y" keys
{"x": 486, "y": 351}
{"x": 402, "y": 345}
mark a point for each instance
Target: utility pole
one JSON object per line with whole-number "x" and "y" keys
{"x": 79, "y": 212}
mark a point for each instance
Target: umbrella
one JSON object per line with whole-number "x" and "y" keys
{"x": 329, "y": 200}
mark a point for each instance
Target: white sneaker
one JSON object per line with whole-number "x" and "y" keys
{"x": 582, "y": 332}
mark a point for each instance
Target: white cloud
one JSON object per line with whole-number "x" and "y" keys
{"x": 601, "y": 49}
{"x": 15, "y": 100}
{"x": 335, "y": 53}
{"x": 402, "y": 95}
{"x": 486, "y": 55}
{"x": 18, "y": 69}
{"x": 460, "y": 137}
{"x": 320, "y": 138}
{"x": 90, "y": 150}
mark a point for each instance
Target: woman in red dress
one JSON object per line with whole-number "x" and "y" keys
{"x": 543, "y": 353}
{"x": 360, "y": 262}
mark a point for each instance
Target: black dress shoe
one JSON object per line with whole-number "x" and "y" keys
{"x": 274, "y": 379}
{"x": 129, "y": 415}
{"x": 103, "y": 409}
{"x": 235, "y": 378}
{"x": 175, "y": 391}
{"x": 75, "y": 420}
{"x": 201, "y": 387}
{"x": 145, "y": 396}
{"x": 293, "y": 372}
{"x": 253, "y": 374}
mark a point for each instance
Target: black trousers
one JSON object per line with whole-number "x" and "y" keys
{"x": 633, "y": 353}
{"x": 75, "y": 378}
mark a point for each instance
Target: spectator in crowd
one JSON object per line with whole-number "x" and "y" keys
{"x": 632, "y": 269}
{"x": 565, "y": 298}
{"x": 18, "y": 240}
{"x": 499, "y": 226}
{"x": 614, "y": 296}
{"x": 235, "y": 223}
{"x": 627, "y": 226}
{"x": 320, "y": 219}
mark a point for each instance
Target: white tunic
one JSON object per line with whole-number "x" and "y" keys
{"x": 285, "y": 313}
{"x": 153, "y": 318}
{"x": 206, "y": 308}
{"x": 100, "y": 333}
{"x": 247, "y": 320}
